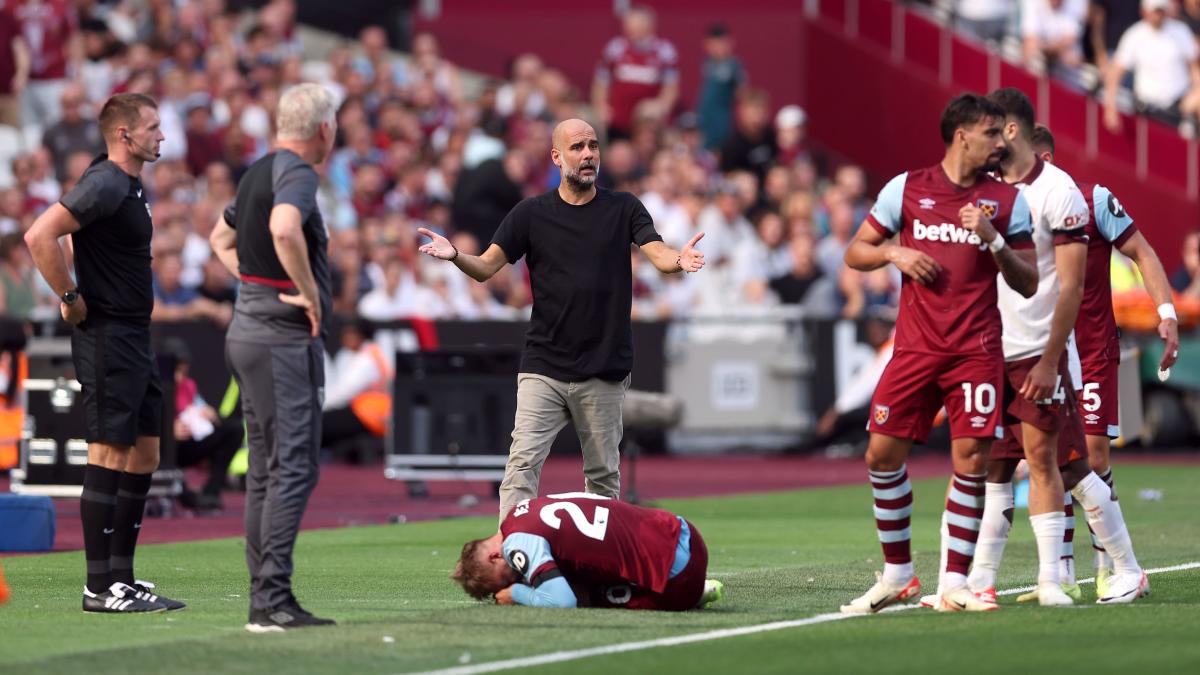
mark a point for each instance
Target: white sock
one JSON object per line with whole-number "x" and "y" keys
{"x": 1105, "y": 519}
{"x": 944, "y": 550}
{"x": 897, "y": 574}
{"x": 1048, "y": 529}
{"x": 1066, "y": 562}
{"x": 993, "y": 535}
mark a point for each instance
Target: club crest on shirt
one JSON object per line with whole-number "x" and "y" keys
{"x": 881, "y": 414}
{"x": 990, "y": 207}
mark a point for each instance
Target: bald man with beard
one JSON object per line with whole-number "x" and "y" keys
{"x": 578, "y": 351}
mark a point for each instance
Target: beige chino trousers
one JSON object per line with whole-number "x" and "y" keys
{"x": 544, "y": 406}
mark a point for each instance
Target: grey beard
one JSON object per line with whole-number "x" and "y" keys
{"x": 579, "y": 184}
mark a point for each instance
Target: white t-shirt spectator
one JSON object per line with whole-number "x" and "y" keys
{"x": 1159, "y": 60}
{"x": 1041, "y": 20}
{"x": 984, "y": 10}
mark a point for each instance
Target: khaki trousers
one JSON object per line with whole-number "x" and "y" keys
{"x": 544, "y": 406}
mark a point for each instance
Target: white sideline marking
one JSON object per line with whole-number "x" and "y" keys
{"x": 1092, "y": 580}
{"x": 559, "y": 657}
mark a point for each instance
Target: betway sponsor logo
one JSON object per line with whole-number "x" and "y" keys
{"x": 947, "y": 232}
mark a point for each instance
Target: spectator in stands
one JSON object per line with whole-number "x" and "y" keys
{"x": 75, "y": 132}
{"x": 53, "y": 21}
{"x": 790, "y": 139}
{"x": 637, "y": 71}
{"x": 201, "y": 435}
{"x": 722, "y": 77}
{"x": 175, "y": 302}
{"x": 203, "y": 141}
{"x": 18, "y": 276}
{"x": 1162, "y": 54}
{"x": 1189, "y": 13}
{"x": 1186, "y": 279}
{"x": 752, "y": 145}
{"x": 1107, "y": 22}
{"x": 868, "y": 294}
{"x": 14, "y": 68}
{"x": 216, "y": 284}
{"x": 375, "y": 56}
{"x": 792, "y": 287}
{"x": 985, "y": 19}
{"x": 1051, "y": 32}
{"x": 432, "y": 68}
{"x": 399, "y": 297}
{"x": 483, "y": 195}
{"x": 36, "y": 193}
{"x": 358, "y": 396}
{"x": 832, "y": 249}
{"x": 522, "y": 94}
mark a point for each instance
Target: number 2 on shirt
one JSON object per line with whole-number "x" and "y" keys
{"x": 590, "y": 529}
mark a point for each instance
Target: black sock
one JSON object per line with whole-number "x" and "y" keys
{"x": 96, "y": 506}
{"x": 127, "y": 521}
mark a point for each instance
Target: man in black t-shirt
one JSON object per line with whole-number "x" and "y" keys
{"x": 579, "y": 348}
{"x": 274, "y": 239}
{"x": 109, "y": 303}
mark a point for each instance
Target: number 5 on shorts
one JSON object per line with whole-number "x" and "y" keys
{"x": 1091, "y": 396}
{"x": 983, "y": 396}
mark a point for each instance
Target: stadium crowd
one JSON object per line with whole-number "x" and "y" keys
{"x": 421, "y": 144}
{"x": 1148, "y": 47}
{"x": 419, "y": 147}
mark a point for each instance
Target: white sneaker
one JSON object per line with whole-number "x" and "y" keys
{"x": 931, "y": 601}
{"x": 1125, "y": 588}
{"x": 961, "y": 599}
{"x": 883, "y": 594}
{"x": 1052, "y": 595}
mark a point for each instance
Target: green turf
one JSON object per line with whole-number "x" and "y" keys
{"x": 783, "y": 556}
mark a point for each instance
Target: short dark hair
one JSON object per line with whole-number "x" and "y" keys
{"x": 123, "y": 109}
{"x": 964, "y": 110}
{"x": 1016, "y": 105}
{"x": 1042, "y": 138}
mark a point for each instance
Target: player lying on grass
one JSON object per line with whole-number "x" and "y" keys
{"x": 578, "y": 549}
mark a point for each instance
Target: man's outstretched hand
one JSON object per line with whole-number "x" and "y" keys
{"x": 439, "y": 248}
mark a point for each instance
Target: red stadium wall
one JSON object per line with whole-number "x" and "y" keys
{"x": 872, "y": 76}
{"x": 484, "y": 35}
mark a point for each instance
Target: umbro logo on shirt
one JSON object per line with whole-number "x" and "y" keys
{"x": 927, "y": 203}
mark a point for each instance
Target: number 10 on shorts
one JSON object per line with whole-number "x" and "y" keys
{"x": 979, "y": 398}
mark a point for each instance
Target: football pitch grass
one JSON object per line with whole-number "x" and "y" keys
{"x": 784, "y": 557}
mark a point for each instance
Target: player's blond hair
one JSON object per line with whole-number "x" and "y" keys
{"x": 302, "y": 110}
{"x": 470, "y": 573}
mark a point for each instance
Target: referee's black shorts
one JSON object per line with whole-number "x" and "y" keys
{"x": 122, "y": 387}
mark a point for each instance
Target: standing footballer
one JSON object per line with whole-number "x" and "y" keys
{"x": 957, "y": 227}
{"x": 109, "y": 303}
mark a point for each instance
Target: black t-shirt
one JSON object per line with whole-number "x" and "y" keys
{"x": 792, "y": 289}
{"x": 281, "y": 177}
{"x": 579, "y": 267}
{"x": 112, "y": 248}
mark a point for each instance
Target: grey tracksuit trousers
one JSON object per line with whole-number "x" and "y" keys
{"x": 281, "y": 387}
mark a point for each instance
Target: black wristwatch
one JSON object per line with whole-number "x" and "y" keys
{"x": 70, "y": 296}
